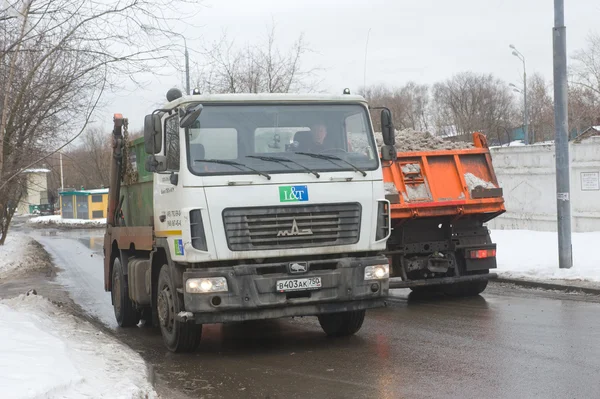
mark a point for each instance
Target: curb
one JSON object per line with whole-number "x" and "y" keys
{"x": 548, "y": 286}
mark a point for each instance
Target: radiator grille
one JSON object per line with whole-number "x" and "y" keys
{"x": 299, "y": 226}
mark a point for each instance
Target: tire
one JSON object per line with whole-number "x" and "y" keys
{"x": 177, "y": 336}
{"x": 431, "y": 289}
{"x": 342, "y": 324}
{"x": 125, "y": 312}
{"x": 471, "y": 288}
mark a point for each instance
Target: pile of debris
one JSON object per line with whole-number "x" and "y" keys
{"x": 409, "y": 140}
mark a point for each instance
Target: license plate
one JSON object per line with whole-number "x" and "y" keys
{"x": 299, "y": 284}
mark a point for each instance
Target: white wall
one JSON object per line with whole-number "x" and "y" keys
{"x": 37, "y": 188}
{"x": 527, "y": 176}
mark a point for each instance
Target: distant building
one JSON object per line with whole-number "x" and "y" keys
{"x": 589, "y": 132}
{"x": 36, "y": 191}
{"x": 84, "y": 204}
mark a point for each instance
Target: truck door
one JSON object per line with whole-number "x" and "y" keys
{"x": 168, "y": 219}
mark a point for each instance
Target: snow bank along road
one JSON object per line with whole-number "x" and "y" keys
{"x": 49, "y": 353}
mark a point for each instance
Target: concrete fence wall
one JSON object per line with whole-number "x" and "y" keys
{"x": 527, "y": 176}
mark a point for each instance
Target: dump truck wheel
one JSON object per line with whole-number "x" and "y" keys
{"x": 125, "y": 312}
{"x": 177, "y": 336}
{"x": 471, "y": 288}
{"x": 342, "y": 324}
{"x": 431, "y": 289}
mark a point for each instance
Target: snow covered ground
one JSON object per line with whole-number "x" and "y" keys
{"x": 47, "y": 353}
{"x": 533, "y": 255}
{"x": 56, "y": 220}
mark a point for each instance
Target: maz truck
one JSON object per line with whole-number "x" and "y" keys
{"x": 236, "y": 207}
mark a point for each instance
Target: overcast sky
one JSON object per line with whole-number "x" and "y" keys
{"x": 419, "y": 40}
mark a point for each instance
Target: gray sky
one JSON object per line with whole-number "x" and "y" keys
{"x": 420, "y": 40}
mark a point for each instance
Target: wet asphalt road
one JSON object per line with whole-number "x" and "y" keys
{"x": 510, "y": 342}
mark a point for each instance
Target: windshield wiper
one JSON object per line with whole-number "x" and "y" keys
{"x": 332, "y": 158}
{"x": 284, "y": 162}
{"x": 235, "y": 165}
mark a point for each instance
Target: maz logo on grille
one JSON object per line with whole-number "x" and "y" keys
{"x": 295, "y": 231}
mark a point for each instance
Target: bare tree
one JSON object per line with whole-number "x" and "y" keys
{"x": 57, "y": 58}
{"x": 409, "y": 104}
{"x": 470, "y": 102}
{"x": 584, "y": 108}
{"x": 586, "y": 66}
{"x": 541, "y": 109}
{"x": 256, "y": 68}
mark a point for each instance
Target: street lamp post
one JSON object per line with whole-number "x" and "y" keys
{"x": 520, "y": 56}
{"x": 186, "y": 54}
{"x": 187, "y": 67}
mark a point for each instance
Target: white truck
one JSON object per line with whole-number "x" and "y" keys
{"x": 239, "y": 207}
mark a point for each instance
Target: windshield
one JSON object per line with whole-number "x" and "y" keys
{"x": 281, "y": 139}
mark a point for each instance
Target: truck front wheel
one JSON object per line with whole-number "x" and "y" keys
{"x": 177, "y": 336}
{"x": 125, "y": 312}
{"x": 342, "y": 324}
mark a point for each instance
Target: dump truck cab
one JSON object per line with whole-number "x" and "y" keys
{"x": 249, "y": 206}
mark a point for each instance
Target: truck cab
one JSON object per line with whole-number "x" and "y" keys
{"x": 239, "y": 207}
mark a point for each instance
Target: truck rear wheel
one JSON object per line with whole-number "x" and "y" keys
{"x": 431, "y": 289}
{"x": 125, "y": 312}
{"x": 177, "y": 336}
{"x": 342, "y": 324}
{"x": 471, "y": 288}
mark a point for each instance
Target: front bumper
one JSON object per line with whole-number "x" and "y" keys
{"x": 252, "y": 294}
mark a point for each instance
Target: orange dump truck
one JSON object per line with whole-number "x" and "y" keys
{"x": 439, "y": 202}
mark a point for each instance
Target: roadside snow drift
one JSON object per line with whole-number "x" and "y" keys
{"x": 533, "y": 255}
{"x": 18, "y": 256}
{"x": 50, "y": 354}
{"x": 57, "y": 221}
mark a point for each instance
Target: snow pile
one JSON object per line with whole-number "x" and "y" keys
{"x": 533, "y": 255}
{"x": 19, "y": 255}
{"x": 409, "y": 140}
{"x": 48, "y": 353}
{"x": 473, "y": 182}
{"x": 390, "y": 188}
{"x": 58, "y": 221}
{"x": 515, "y": 143}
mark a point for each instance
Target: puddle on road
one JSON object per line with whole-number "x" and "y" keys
{"x": 91, "y": 238}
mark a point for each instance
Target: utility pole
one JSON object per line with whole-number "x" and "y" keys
{"x": 62, "y": 182}
{"x": 187, "y": 68}
{"x": 365, "y": 67}
{"x": 561, "y": 141}
{"x": 520, "y": 56}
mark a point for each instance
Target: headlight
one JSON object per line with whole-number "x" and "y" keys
{"x": 377, "y": 272}
{"x": 204, "y": 285}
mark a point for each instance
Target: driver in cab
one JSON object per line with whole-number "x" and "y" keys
{"x": 312, "y": 140}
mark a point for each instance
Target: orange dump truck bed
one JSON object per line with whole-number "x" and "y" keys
{"x": 444, "y": 183}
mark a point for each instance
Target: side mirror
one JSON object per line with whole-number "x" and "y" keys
{"x": 152, "y": 134}
{"x": 191, "y": 114}
{"x": 387, "y": 128}
{"x": 156, "y": 163}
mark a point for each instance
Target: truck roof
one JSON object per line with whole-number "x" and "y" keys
{"x": 267, "y": 98}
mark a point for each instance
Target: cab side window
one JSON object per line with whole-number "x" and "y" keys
{"x": 172, "y": 142}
